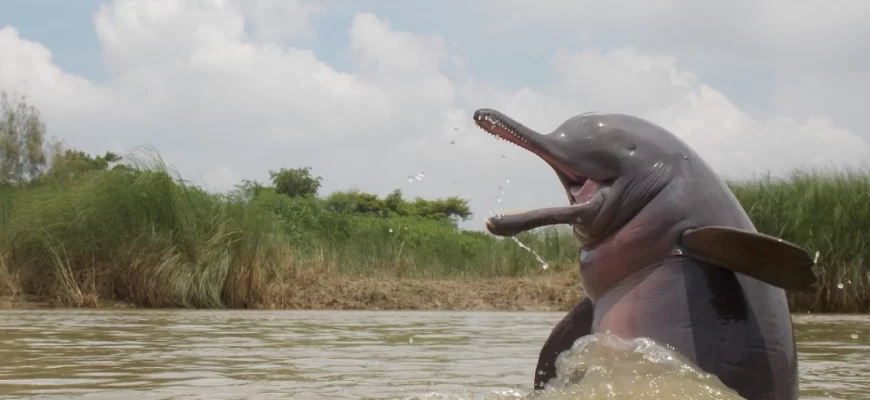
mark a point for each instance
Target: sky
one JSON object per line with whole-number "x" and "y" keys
{"x": 367, "y": 93}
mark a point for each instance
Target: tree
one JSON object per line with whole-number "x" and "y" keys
{"x": 355, "y": 201}
{"x": 249, "y": 189}
{"x": 396, "y": 203}
{"x": 451, "y": 207}
{"x": 22, "y": 131}
{"x": 297, "y": 182}
{"x": 67, "y": 163}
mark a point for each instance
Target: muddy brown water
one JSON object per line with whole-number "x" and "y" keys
{"x": 158, "y": 354}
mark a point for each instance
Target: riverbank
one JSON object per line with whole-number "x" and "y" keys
{"x": 329, "y": 290}
{"x": 550, "y": 292}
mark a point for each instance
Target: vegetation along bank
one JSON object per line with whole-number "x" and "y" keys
{"x": 86, "y": 231}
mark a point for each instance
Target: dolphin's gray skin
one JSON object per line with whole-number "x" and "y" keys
{"x": 667, "y": 252}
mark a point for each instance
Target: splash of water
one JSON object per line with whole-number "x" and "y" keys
{"x": 415, "y": 177}
{"x": 544, "y": 264}
{"x": 605, "y": 366}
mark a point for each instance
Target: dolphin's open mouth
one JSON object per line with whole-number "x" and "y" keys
{"x": 582, "y": 190}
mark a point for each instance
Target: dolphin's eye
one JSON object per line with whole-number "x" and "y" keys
{"x": 632, "y": 149}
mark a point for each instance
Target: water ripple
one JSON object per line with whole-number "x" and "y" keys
{"x": 111, "y": 354}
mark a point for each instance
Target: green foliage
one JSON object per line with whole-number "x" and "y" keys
{"x": 139, "y": 235}
{"x": 296, "y": 182}
{"x": 394, "y": 205}
{"x": 67, "y": 164}
{"x": 824, "y": 211}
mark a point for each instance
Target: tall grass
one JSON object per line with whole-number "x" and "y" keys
{"x": 824, "y": 211}
{"x": 143, "y": 237}
{"x": 146, "y": 238}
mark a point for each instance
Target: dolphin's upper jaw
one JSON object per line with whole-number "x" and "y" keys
{"x": 504, "y": 128}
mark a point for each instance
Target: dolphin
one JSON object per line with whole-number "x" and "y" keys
{"x": 666, "y": 252}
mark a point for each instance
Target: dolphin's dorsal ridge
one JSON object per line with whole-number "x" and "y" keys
{"x": 763, "y": 257}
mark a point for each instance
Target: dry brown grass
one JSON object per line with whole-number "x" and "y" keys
{"x": 322, "y": 288}
{"x": 551, "y": 292}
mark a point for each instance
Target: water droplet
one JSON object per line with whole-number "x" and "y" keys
{"x": 540, "y": 372}
{"x": 456, "y": 129}
{"x": 816, "y": 258}
{"x": 411, "y": 339}
{"x": 840, "y": 285}
{"x": 419, "y": 176}
{"x": 391, "y": 230}
{"x": 685, "y": 157}
{"x": 854, "y": 336}
{"x": 544, "y": 264}
{"x": 562, "y": 134}
{"x": 508, "y": 180}
{"x": 452, "y": 142}
{"x": 502, "y": 156}
{"x": 411, "y": 178}
{"x": 631, "y": 152}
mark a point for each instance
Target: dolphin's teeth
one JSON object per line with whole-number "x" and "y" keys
{"x": 512, "y": 211}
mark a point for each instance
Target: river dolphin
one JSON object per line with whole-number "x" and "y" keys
{"x": 666, "y": 252}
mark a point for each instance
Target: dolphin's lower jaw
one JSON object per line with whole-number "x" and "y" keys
{"x": 511, "y": 223}
{"x": 585, "y": 195}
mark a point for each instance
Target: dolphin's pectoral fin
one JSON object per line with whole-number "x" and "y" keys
{"x": 766, "y": 258}
{"x": 576, "y": 324}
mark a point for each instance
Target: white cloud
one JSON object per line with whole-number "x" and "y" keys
{"x": 776, "y": 31}
{"x": 277, "y": 20}
{"x": 27, "y": 67}
{"x": 225, "y": 101}
{"x": 816, "y": 53}
{"x": 193, "y": 62}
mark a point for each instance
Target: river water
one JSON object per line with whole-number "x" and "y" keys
{"x": 158, "y": 354}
